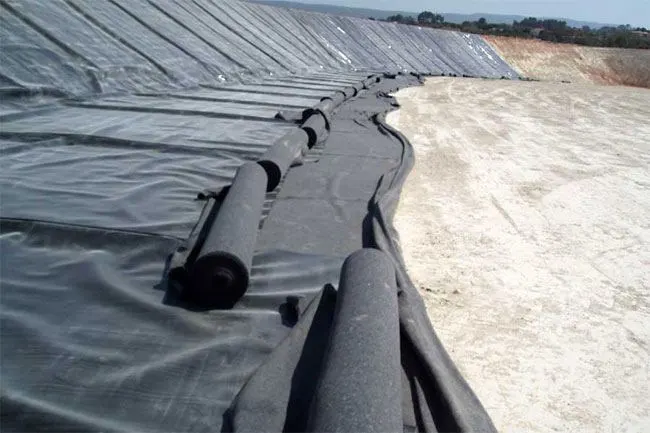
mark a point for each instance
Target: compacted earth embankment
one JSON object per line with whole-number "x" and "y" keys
{"x": 524, "y": 224}
{"x": 575, "y": 63}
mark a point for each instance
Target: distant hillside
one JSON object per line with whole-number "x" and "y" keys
{"x": 380, "y": 14}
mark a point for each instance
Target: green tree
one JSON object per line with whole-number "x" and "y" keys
{"x": 425, "y": 17}
{"x": 428, "y": 17}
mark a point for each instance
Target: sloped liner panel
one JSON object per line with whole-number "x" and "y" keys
{"x": 121, "y": 121}
{"x": 143, "y": 45}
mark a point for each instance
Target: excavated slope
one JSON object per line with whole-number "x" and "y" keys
{"x": 575, "y": 63}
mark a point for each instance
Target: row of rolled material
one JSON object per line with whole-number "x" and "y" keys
{"x": 359, "y": 388}
{"x": 340, "y": 368}
{"x": 314, "y": 129}
{"x": 218, "y": 264}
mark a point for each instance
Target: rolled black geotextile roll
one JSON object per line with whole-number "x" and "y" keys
{"x": 316, "y": 126}
{"x": 220, "y": 274}
{"x": 182, "y": 259}
{"x": 350, "y": 92}
{"x": 360, "y": 385}
{"x": 368, "y": 82}
{"x": 278, "y": 158}
{"x": 326, "y": 105}
{"x": 337, "y": 98}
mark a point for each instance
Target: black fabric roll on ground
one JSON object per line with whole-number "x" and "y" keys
{"x": 337, "y": 98}
{"x": 360, "y": 383}
{"x": 368, "y": 82}
{"x": 357, "y": 87}
{"x": 317, "y": 127}
{"x": 219, "y": 276}
{"x": 350, "y": 92}
{"x": 326, "y": 105}
{"x": 279, "y": 157}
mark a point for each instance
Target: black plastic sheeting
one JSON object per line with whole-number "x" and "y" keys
{"x": 123, "y": 124}
{"x": 76, "y": 47}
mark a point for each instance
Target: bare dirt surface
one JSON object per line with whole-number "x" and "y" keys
{"x": 575, "y": 63}
{"x": 526, "y": 225}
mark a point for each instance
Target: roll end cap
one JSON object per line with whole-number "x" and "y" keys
{"x": 217, "y": 280}
{"x": 273, "y": 174}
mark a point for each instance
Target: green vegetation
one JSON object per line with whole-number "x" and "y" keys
{"x": 545, "y": 29}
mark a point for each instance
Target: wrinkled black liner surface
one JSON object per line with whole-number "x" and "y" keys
{"x": 93, "y": 339}
{"x": 114, "y": 116}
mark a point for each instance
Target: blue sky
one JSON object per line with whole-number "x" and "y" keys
{"x": 634, "y": 12}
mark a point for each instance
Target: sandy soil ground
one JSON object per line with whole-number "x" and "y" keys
{"x": 526, "y": 225}
{"x": 577, "y": 64}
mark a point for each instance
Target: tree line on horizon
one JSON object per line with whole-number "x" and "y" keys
{"x": 552, "y": 30}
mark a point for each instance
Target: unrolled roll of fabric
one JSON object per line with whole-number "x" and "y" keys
{"x": 373, "y": 79}
{"x": 220, "y": 274}
{"x": 350, "y": 92}
{"x": 360, "y": 385}
{"x": 316, "y": 126}
{"x": 279, "y": 157}
{"x": 337, "y": 98}
{"x": 326, "y": 105}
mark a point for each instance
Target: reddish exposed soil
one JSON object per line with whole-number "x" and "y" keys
{"x": 575, "y": 63}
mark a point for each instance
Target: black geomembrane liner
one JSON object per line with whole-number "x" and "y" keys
{"x": 123, "y": 126}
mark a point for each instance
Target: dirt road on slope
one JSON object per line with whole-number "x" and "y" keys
{"x": 575, "y": 63}
{"x": 526, "y": 225}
